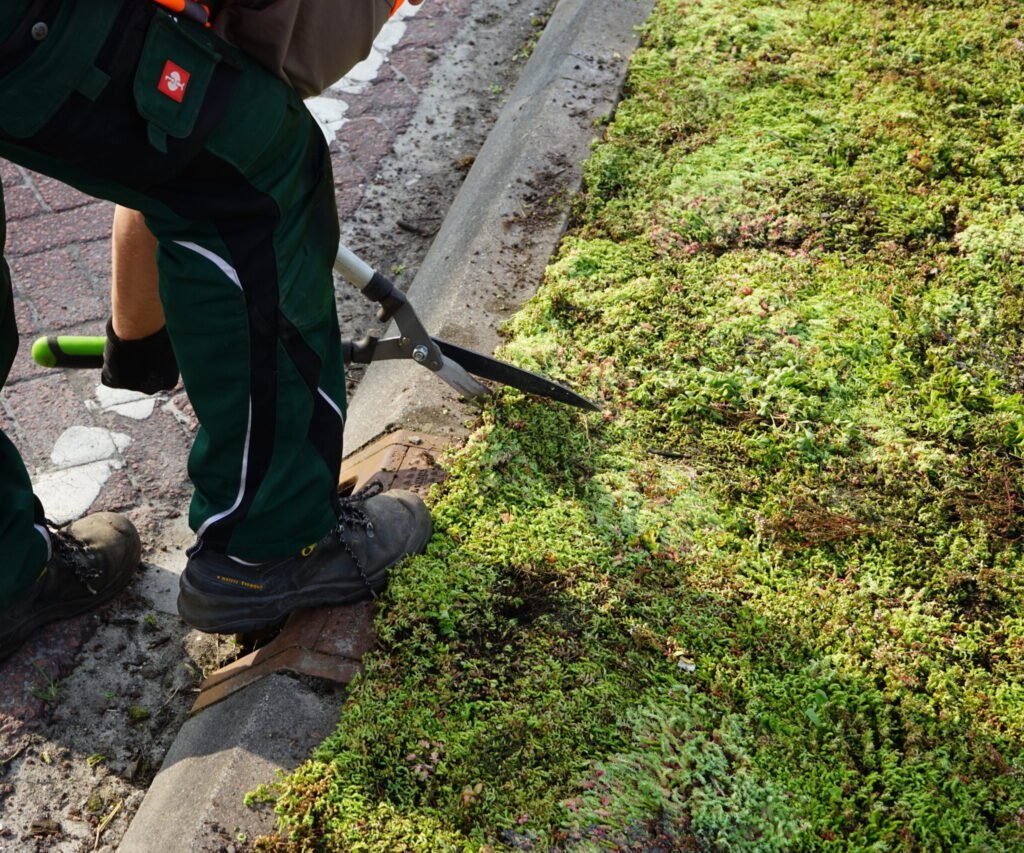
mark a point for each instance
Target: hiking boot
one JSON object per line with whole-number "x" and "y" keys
{"x": 220, "y": 594}
{"x": 91, "y": 561}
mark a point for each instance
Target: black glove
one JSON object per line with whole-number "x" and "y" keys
{"x": 147, "y": 365}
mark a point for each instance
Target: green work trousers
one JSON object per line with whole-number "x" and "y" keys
{"x": 233, "y": 176}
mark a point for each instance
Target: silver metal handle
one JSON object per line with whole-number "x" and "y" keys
{"x": 352, "y": 267}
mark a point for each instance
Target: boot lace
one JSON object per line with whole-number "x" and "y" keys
{"x": 73, "y": 554}
{"x": 351, "y": 516}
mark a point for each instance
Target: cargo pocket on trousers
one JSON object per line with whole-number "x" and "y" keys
{"x": 171, "y": 81}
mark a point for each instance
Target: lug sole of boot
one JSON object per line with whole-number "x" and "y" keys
{"x": 56, "y": 612}
{"x": 218, "y": 614}
{"x": 213, "y": 614}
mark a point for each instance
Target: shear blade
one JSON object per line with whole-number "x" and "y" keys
{"x": 509, "y": 374}
{"x": 454, "y": 374}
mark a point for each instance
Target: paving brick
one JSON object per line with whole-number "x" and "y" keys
{"x": 62, "y": 228}
{"x": 443, "y": 9}
{"x": 186, "y": 413}
{"x": 10, "y": 174}
{"x": 7, "y": 423}
{"x": 386, "y": 96}
{"x": 424, "y": 32}
{"x": 24, "y": 368}
{"x": 43, "y": 408}
{"x": 62, "y": 292}
{"x": 347, "y": 173}
{"x": 156, "y": 461}
{"x": 20, "y": 203}
{"x": 348, "y": 204}
{"x": 49, "y": 653}
{"x": 25, "y": 314}
{"x": 117, "y": 495}
{"x": 368, "y": 140}
{"x": 59, "y": 196}
{"x": 414, "y": 65}
{"x": 94, "y": 259}
{"x": 349, "y": 182}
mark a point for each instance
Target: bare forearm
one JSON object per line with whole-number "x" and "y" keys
{"x": 135, "y": 299}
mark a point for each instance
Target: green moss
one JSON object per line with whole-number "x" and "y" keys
{"x": 772, "y": 597}
{"x": 138, "y": 714}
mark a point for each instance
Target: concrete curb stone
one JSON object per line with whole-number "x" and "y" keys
{"x": 196, "y": 800}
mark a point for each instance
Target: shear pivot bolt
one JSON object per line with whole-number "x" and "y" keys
{"x": 420, "y": 353}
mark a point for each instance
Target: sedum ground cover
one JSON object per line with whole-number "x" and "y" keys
{"x": 773, "y": 598}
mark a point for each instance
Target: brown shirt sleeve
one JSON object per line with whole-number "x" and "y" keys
{"x": 308, "y": 43}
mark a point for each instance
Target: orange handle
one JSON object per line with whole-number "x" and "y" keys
{"x": 193, "y": 9}
{"x": 397, "y": 5}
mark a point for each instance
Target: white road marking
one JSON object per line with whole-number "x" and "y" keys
{"x": 128, "y": 404}
{"x": 84, "y": 458}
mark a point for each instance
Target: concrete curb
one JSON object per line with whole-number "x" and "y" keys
{"x": 196, "y": 800}
{"x": 502, "y": 229}
{"x": 485, "y": 261}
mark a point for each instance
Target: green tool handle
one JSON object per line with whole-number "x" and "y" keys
{"x": 69, "y": 351}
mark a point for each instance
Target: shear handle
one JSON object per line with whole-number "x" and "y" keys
{"x": 374, "y": 286}
{"x": 414, "y": 342}
{"x": 359, "y": 352}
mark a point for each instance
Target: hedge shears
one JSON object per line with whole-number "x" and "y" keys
{"x": 451, "y": 363}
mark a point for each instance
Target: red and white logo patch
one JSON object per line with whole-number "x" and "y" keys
{"x": 173, "y": 81}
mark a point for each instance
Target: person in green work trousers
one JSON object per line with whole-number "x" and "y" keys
{"x": 309, "y": 44}
{"x": 129, "y": 103}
